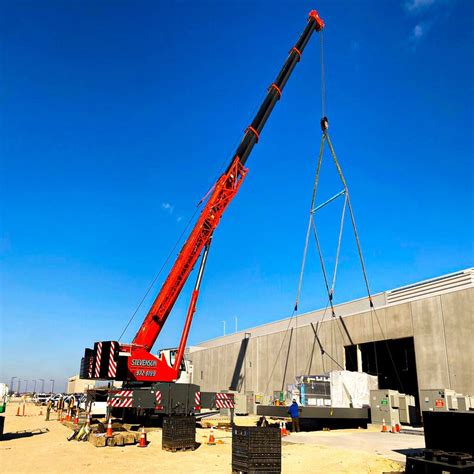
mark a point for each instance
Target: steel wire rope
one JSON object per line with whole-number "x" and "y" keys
{"x": 323, "y": 77}
{"x": 152, "y": 284}
{"x": 303, "y": 262}
{"x": 210, "y": 188}
{"x": 361, "y": 258}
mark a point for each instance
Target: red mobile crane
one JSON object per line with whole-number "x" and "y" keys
{"x": 148, "y": 380}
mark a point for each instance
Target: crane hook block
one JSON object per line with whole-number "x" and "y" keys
{"x": 319, "y": 22}
{"x": 324, "y": 124}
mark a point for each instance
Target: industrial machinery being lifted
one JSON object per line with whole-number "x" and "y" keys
{"x": 148, "y": 381}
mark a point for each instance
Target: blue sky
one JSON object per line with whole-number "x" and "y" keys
{"x": 117, "y": 117}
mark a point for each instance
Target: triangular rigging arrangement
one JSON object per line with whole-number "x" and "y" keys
{"x": 329, "y": 280}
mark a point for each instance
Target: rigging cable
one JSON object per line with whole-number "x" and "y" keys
{"x": 364, "y": 271}
{"x": 210, "y": 189}
{"x": 303, "y": 263}
{"x": 152, "y": 284}
{"x": 323, "y": 78}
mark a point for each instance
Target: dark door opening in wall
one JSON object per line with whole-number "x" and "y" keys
{"x": 377, "y": 360}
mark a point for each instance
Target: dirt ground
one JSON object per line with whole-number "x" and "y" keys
{"x": 25, "y": 450}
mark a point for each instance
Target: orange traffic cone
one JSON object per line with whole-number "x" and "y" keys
{"x": 212, "y": 439}
{"x": 18, "y": 411}
{"x": 109, "y": 432}
{"x": 395, "y": 428}
{"x": 283, "y": 431}
{"x": 69, "y": 414}
{"x": 143, "y": 442}
{"x": 76, "y": 418}
{"x": 384, "y": 426}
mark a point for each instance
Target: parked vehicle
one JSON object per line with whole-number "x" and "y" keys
{"x": 41, "y": 399}
{"x": 95, "y": 401}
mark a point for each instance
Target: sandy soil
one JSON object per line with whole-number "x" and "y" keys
{"x": 50, "y": 452}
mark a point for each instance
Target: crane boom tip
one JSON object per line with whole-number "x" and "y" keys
{"x": 318, "y": 20}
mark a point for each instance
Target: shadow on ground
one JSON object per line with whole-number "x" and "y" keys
{"x": 23, "y": 434}
{"x": 410, "y": 451}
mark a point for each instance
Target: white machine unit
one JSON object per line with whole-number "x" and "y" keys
{"x": 351, "y": 389}
{"x": 464, "y": 402}
{"x": 471, "y": 402}
{"x": 337, "y": 389}
{"x": 438, "y": 400}
{"x": 244, "y": 403}
{"x": 384, "y": 405}
{"x": 407, "y": 408}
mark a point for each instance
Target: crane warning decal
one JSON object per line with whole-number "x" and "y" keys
{"x": 121, "y": 399}
{"x": 197, "y": 401}
{"x": 224, "y": 400}
{"x": 112, "y": 371}
{"x": 97, "y": 359}
{"x": 158, "y": 405}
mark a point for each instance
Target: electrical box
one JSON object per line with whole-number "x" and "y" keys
{"x": 407, "y": 409}
{"x": 438, "y": 400}
{"x": 244, "y": 403}
{"x": 384, "y": 406}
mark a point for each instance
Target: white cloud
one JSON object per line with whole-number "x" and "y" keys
{"x": 418, "y": 31}
{"x": 167, "y": 207}
{"x": 414, "y": 6}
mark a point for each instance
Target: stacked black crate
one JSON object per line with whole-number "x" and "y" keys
{"x": 256, "y": 449}
{"x": 433, "y": 461}
{"x": 179, "y": 433}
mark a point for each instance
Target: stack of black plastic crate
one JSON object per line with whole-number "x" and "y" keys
{"x": 179, "y": 433}
{"x": 256, "y": 449}
{"x": 433, "y": 461}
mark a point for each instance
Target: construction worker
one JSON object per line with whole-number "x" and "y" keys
{"x": 295, "y": 416}
{"x": 60, "y": 407}
{"x": 48, "y": 409}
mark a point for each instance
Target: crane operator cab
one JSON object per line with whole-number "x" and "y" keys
{"x": 185, "y": 369}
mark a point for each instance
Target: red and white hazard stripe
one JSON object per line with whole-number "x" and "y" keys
{"x": 197, "y": 401}
{"x": 90, "y": 368}
{"x": 224, "y": 400}
{"x": 120, "y": 402}
{"x": 158, "y": 405}
{"x": 124, "y": 393}
{"x": 121, "y": 399}
{"x": 97, "y": 359}
{"x": 112, "y": 364}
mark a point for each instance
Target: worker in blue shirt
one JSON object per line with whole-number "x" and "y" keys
{"x": 295, "y": 416}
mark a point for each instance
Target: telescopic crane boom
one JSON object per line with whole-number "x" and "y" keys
{"x": 134, "y": 362}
